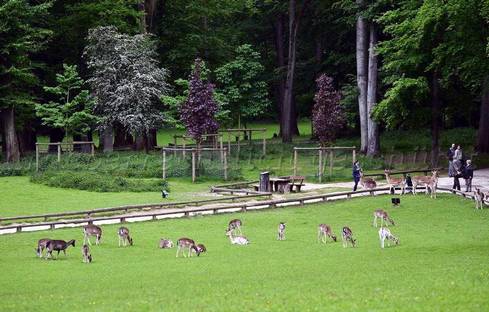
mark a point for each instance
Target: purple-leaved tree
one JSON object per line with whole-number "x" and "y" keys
{"x": 198, "y": 111}
{"x": 327, "y": 114}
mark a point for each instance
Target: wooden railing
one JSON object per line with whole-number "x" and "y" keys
{"x": 403, "y": 172}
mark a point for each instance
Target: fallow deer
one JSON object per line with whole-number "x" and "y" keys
{"x": 385, "y": 234}
{"x": 237, "y": 240}
{"x": 87, "y": 256}
{"x": 394, "y": 182}
{"x": 384, "y": 217}
{"x": 347, "y": 236}
{"x": 367, "y": 183}
{"x": 124, "y": 236}
{"x": 281, "y": 231}
{"x": 235, "y": 226}
{"x": 479, "y": 197}
{"x": 58, "y": 245}
{"x": 199, "y": 248}
{"x": 424, "y": 180}
{"x": 186, "y": 244}
{"x": 91, "y": 230}
{"x": 41, "y": 245}
{"x": 166, "y": 243}
{"x": 324, "y": 231}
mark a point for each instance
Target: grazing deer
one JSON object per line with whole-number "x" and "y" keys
{"x": 367, "y": 183}
{"x": 41, "y": 245}
{"x": 347, "y": 236}
{"x": 479, "y": 198}
{"x": 58, "y": 245}
{"x": 281, "y": 231}
{"x": 394, "y": 182}
{"x": 186, "y": 243}
{"x": 91, "y": 230}
{"x": 124, "y": 237}
{"x": 166, "y": 243}
{"x": 199, "y": 248}
{"x": 235, "y": 226}
{"x": 237, "y": 240}
{"x": 324, "y": 231}
{"x": 385, "y": 234}
{"x": 384, "y": 217}
{"x": 87, "y": 256}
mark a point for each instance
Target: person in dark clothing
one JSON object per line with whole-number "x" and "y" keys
{"x": 356, "y": 174}
{"x": 468, "y": 174}
{"x": 450, "y": 155}
{"x": 457, "y": 166}
{"x": 409, "y": 184}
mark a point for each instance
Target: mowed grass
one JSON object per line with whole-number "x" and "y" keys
{"x": 21, "y": 197}
{"x": 440, "y": 265}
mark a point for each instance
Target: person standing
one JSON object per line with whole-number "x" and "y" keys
{"x": 458, "y": 155}
{"x": 450, "y": 154}
{"x": 457, "y": 166}
{"x": 357, "y": 170}
{"x": 468, "y": 174}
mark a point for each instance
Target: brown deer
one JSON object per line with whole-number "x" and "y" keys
{"x": 427, "y": 181}
{"x": 235, "y": 226}
{"x": 87, "y": 256}
{"x": 433, "y": 184}
{"x": 41, "y": 245}
{"x": 58, "y": 245}
{"x": 281, "y": 231}
{"x": 367, "y": 183}
{"x": 199, "y": 248}
{"x": 479, "y": 197}
{"x": 91, "y": 230}
{"x": 324, "y": 231}
{"x": 186, "y": 243}
{"x": 394, "y": 182}
{"x": 384, "y": 217}
{"x": 166, "y": 243}
{"x": 124, "y": 236}
{"x": 347, "y": 236}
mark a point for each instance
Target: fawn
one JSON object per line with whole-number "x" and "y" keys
{"x": 281, "y": 231}
{"x": 385, "y": 234}
{"x": 324, "y": 231}
{"x": 384, "y": 217}
{"x": 124, "y": 236}
{"x": 347, "y": 236}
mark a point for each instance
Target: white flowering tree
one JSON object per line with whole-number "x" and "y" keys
{"x": 126, "y": 80}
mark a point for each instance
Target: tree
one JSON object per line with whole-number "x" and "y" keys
{"x": 126, "y": 80}
{"x": 72, "y": 110}
{"x": 22, "y": 34}
{"x": 373, "y": 144}
{"x": 197, "y": 113}
{"x": 240, "y": 81}
{"x": 327, "y": 115}
{"x": 362, "y": 75}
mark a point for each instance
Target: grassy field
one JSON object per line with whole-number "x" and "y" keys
{"x": 21, "y": 197}
{"x": 440, "y": 265}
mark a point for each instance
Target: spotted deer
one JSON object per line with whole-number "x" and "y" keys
{"x": 424, "y": 181}
{"x": 235, "y": 226}
{"x": 41, "y": 245}
{"x": 188, "y": 244}
{"x": 383, "y": 216}
{"x": 281, "y": 231}
{"x": 324, "y": 231}
{"x": 57, "y": 245}
{"x": 347, "y": 236}
{"x": 124, "y": 236}
{"x": 367, "y": 183}
{"x": 385, "y": 234}
{"x": 237, "y": 240}
{"x": 394, "y": 182}
{"x": 87, "y": 256}
{"x": 91, "y": 230}
{"x": 166, "y": 243}
{"x": 479, "y": 197}
{"x": 199, "y": 248}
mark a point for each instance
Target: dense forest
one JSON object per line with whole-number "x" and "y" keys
{"x": 126, "y": 68}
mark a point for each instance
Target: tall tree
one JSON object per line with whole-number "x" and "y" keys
{"x": 373, "y": 143}
{"x": 362, "y": 75}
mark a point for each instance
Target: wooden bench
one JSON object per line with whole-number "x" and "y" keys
{"x": 295, "y": 181}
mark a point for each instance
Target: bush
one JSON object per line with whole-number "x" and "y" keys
{"x": 91, "y": 181}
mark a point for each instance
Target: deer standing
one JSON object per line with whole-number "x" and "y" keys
{"x": 124, "y": 236}
{"x": 367, "y": 183}
{"x": 347, "y": 236}
{"x": 424, "y": 180}
{"x": 384, "y": 217}
{"x": 199, "y": 248}
{"x": 87, "y": 256}
{"x": 58, "y": 245}
{"x": 394, "y": 182}
{"x": 479, "y": 198}
{"x": 41, "y": 245}
{"x": 324, "y": 231}
{"x": 385, "y": 234}
{"x": 186, "y": 243}
{"x": 281, "y": 231}
{"x": 166, "y": 243}
{"x": 237, "y": 240}
{"x": 235, "y": 226}
{"x": 91, "y": 230}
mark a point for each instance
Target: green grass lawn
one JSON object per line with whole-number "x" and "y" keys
{"x": 440, "y": 265}
{"x": 21, "y": 197}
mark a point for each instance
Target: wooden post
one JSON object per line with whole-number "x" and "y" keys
{"x": 37, "y": 157}
{"x": 264, "y": 182}
{"x": 221, "y": 147}
{"x": 59, "y": 152}
{"x": 164, "y": 164}
{"x": 175, "y": 146}
{"x": 193, "y": 165}
{"x": 353, "y": 155}
{"x": 225, "y": 165}
{"x": 295, "y": 162}
{"x": 183, "y": 151}
{"x": 264, "y": 146}
{"x": 320, "y": 165}
{"x": 93, "y": 148}
{"x": 229, "y": 143}
{"x": 239, "y": 145}
{"x": 331, "y": 159}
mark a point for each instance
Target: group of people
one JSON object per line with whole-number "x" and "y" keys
{"x": 458, "y": 168}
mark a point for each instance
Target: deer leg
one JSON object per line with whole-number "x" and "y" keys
{"x": 375, "y": 222}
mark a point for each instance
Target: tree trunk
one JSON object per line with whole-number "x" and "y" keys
{"x": 279, "y": 47}
{"x": 373, "y": 144}
{"x": 435, "y": 119}
{"x": 152, "y": 138}
{"x": 27, "y": 139}
{"x": 107, "y": 138}
{"x": 362, "y": 59}
{"x": 483, "y": 132}
{"x": 12, "y": 152}
{"x": 121, "y": 138}
{"x": 141, "y": 142}
{"x": 55, "y": 135}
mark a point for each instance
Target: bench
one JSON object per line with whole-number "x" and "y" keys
{"x": 295, "y": 181}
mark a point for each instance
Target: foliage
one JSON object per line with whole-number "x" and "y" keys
{"x": 241, "y": 82}
{"x": 327, "y": 115}
{"x": 126, "y": 79}
{"x": 199, "y": 109}
{"x": 72, "y": 110}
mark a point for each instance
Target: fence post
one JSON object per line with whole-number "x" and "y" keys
{"x": 353, "y": 155}
{"x": 59, "y": 152}
{"x": 93, "y": 149}
{"x": 295, "y": 161}
{"x": 164, "y": 164}
{"x": 193, "y": 165}
{"x": 221, "y": 147}
{"x": 264, "y": 145}
{"x": 184, "y": 146}
{"x": 175, "y": 146}
{"x": 37, "y": 157}
{"x": 331, "y": 159}
{"x": 225, "y": 165}
{"x": 320, "y": 168}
